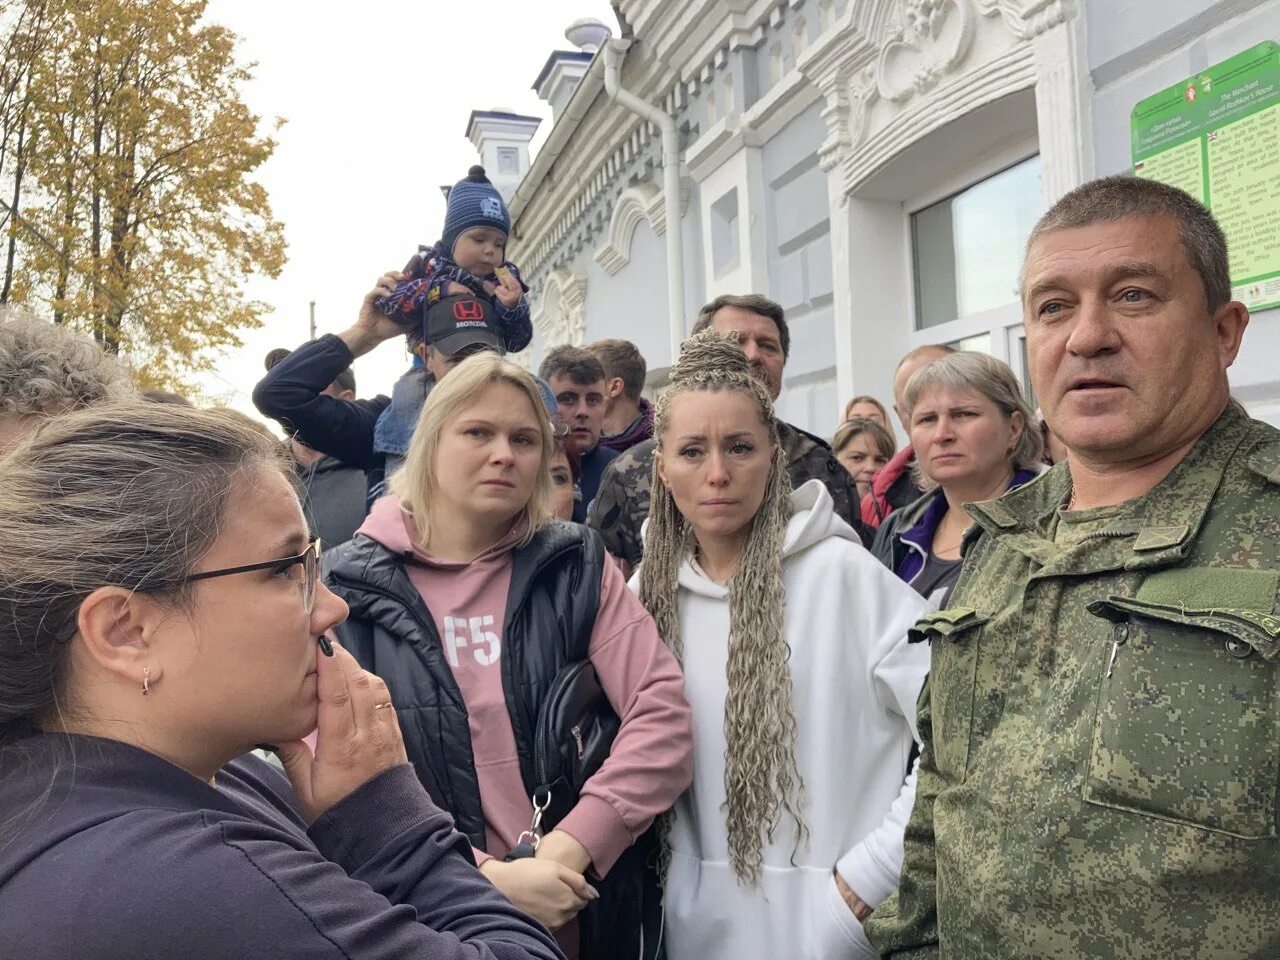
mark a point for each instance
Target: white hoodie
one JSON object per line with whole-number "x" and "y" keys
{"x": 855, "y": 682}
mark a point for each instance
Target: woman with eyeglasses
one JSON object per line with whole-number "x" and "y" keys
{"x": 540, "y": 706}
{"x": 159, "y": 617}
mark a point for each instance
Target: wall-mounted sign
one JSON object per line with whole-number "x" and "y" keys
{"x": 1217, "y": 136}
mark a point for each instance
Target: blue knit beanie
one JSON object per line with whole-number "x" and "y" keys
{"x": 474, "y": 202}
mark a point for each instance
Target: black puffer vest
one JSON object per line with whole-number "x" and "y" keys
{"x": 551, "y": 611}
{"x": 554, "y": 599}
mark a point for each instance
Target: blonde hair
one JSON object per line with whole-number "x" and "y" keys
{"x": 982, "y": 374}
{"x": 865, "y": 398}
{"x": 761, "y": 778}
{"x": 415, "y": 483}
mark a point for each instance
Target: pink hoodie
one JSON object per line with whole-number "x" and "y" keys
{"x": 651, "y": 761}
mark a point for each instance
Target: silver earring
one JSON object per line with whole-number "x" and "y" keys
{"x": 146, "y": 680}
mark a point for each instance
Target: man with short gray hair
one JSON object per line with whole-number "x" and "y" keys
{"x": 1100, "y": 774}
{"x": 45, "y": 370}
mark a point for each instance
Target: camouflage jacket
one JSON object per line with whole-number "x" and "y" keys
{"x": 1101, "y": 726}
{"x": 622, "y": 501}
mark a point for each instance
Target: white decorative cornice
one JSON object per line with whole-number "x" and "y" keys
{"x": 1028, "y": 19}
{"x": 828, "y": 63}
{"x": 788, "y": 98}
{"x": 913, "y": 58}
{"x": 643, "y": 202}
{"x": 561, "y": 312}
{"x": 632, "y": 207}
{"x": 656, "y": 212}
{"x": 609, "y": 147}
{"x": 995, "y": 80}
{"x": 725, "y": 137}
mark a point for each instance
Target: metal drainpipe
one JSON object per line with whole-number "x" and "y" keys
{"x": 614, "y": 52}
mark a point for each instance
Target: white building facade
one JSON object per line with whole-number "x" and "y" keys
{"x": 872, "y": 165}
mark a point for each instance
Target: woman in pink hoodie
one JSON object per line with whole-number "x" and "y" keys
{"x": 532, "y": 687}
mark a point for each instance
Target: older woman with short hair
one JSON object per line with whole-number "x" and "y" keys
{"x": 975, "y": 437}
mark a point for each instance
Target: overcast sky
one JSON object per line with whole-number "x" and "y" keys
{"x": 376, "y": 100}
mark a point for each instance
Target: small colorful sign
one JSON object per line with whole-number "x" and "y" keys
{"x": 1217, "y": 136}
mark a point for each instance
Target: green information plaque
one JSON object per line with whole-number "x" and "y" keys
{"x": 1217, "y": 136}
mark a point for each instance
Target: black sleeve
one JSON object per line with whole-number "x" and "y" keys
{"x": 292, "y": 392}
{"x": 392, "y": 881}
{"x": 845, "y": 496}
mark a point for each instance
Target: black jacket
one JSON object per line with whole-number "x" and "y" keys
{"x": 887, "y": 547}
{"x": 333, "y": 499}
{"x": 551, "y": 611}
{"x": 292, "y": 393}
{"x": 551, "y": 608}
{"x": 903, "y": 492}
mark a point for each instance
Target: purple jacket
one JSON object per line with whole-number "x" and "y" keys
{"x": 128, "y": 856}
{"x": 919, "y": 538}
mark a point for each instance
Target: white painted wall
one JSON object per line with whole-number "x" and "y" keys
{"x": 632, "y": 304}
{"x": 838, "y": 256}
{"x": 1136, "y": 49}
{"x": 797, "y": 241}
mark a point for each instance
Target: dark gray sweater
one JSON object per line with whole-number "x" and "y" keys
{"x": 126, "y": 857}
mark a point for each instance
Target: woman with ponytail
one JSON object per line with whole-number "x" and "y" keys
{"x": 793, "y": 640}
{"x": 160, "y": 615}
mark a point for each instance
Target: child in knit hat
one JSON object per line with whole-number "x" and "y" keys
{"x": 467, "y": 259}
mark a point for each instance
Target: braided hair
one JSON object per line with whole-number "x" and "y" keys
{"x": 761, "y": 778}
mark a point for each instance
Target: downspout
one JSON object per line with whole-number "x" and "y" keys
{"x": 615, "y": 52}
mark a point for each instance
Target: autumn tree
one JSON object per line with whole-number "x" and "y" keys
{"x": 126, "y": 177}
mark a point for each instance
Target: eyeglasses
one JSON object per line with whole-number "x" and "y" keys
{"x": 309, "y": 559}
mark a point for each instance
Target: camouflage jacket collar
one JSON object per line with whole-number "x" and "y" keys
{"x": 796, "y": 444}
{"x": 1156, "y": 530}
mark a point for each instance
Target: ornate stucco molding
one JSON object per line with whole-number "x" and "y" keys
{"x": 631, "y": 208}
{"x": 890, "y": 71}
{"x": 1028, "y": 19}
{"x": 656, "y": 212}
{"x": 561, "y": 312}
{"x": 642, "y": 203}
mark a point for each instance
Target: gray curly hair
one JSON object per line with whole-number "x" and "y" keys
{"x": 47, "y": 369}
{"x": 761, "y": 777}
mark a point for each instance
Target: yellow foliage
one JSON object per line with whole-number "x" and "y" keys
{"x": 126, "y": 178}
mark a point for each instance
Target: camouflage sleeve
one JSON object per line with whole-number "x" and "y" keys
{"x": 610, "y": 515}
{"x": 905, "y": 926}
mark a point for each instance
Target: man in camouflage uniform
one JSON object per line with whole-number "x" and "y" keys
{"x": 1101, "y": 726}
{"x": 622, "y": 502}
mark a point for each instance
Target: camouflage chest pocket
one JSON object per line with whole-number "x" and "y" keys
{"x": 953, "y": 635}
{"x": 1188, "y": 716}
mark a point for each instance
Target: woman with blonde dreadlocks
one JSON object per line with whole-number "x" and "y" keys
{"x": 794, "y": 644}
